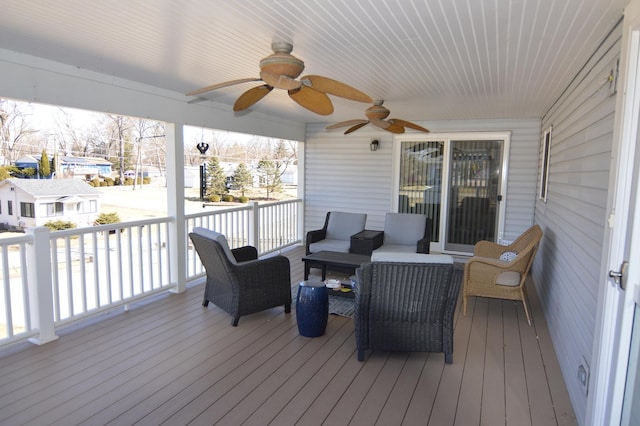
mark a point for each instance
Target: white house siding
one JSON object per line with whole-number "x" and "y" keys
{"x": 573, "y": 218}
{"x": 341, "y": 173}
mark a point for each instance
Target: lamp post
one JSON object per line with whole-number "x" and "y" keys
{"x": 203, "y": 147}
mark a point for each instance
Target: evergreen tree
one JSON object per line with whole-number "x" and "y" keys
{"x": 8, "y": 171}
{"x": 242, "y": 178}
{"x": 269, "y": 176}
{"x": 55, "y": 164}
{"x": 216, "y": 180}
{"x": 44, "y": 165}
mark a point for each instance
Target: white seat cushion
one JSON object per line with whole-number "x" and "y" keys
{"x": 509, "y": 278}
{"x": 397, "y": 248}
{"x": 411, "y": 257}
{"x": 340, "y": 246}
{"x": 219, "y": 238}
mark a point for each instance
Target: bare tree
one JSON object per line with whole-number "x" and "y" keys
{"x": 120, "y": 134}
{"x": 146, "y": 130}
{"x": 15, "y": 130}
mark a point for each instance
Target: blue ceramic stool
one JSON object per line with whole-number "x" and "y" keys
{"x": 312, "y": 308}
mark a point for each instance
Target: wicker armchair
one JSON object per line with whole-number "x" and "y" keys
{"x": 500, "y": 271}
{"x": 407, "y": 305}
{"x": 237, "y": 281}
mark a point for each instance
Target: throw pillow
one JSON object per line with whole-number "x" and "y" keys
{"x": 508, "y": 256}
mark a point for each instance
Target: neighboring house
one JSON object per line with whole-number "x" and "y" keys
{"x": 192, "y": 174}
{"x": 82, "y": 167}
{"x": 34, "y": 202}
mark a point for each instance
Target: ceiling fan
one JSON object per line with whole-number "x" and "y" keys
{"x": 376, "y": 115}
{"x": 281, "y": 70}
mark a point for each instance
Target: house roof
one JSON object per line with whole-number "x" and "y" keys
{"x": 429, "y": 60}
{"x": 52, "y": 187}
{"x": 65, "y": 159}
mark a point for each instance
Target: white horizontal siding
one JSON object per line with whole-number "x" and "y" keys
{"x": 573, "y": 218}
{"x": 341, "y": 173}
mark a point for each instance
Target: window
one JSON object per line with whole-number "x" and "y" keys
{"x": 52, "y": 209}
{"x": 544, "y": 165}
{"x": 10, "y": 207}
{"x": 90, "y": 206}
{"x": 27, "y": 210}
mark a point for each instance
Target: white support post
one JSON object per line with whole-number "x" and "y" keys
{"x": 40, "y": 285}
{"x": 254, "y": 226}
{"x": 175, "y": 205}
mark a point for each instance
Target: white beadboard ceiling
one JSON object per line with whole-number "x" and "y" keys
{"x": 428, "y": 59}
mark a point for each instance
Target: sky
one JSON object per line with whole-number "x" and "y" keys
{"x": 44, "y": 117}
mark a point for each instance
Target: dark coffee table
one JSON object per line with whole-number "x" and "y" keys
{"x": 333, "y": 259}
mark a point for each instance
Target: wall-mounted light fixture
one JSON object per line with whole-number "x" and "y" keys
{"x": 374, "y": 145}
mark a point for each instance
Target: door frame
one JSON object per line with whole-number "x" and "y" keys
{"x": 614, "y": 320}
{"x": 505, "y": 136}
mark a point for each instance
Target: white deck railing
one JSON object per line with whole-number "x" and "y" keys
{"x": 49, "y": 279}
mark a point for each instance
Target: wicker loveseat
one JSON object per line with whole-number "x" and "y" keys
{"x": 237, "y": 281}
{"x": 406, "y": 302}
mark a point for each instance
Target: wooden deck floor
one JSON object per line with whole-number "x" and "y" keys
{"x": 171, "y": 361}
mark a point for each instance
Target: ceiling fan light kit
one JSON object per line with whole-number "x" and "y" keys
{"x": 280, "y": 70}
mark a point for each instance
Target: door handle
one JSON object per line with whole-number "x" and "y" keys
{"x": 620, "y": 277}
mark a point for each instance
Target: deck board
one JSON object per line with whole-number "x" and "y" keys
{"x": 493, "y": 392}
{"x": 169, "y": 360}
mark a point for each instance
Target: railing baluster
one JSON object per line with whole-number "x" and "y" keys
{"x": 7, "y": 293}
{"x": 132, "y": 265}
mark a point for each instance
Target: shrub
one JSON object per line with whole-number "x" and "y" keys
{"x": 128, "y": 181}
{"x": 106, "y": 218}
{"x": 109, "y": 181}
{"x": 243, "y": 199}
{"x": 59, "y": 225}
{"x": 227, "y": 198}
{"x": 103, "y": 183}
{"x": 146, "y": 180}
{"x": 214, "y": 198}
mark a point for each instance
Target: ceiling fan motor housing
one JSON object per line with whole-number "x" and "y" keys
{"x": 376, "y": 112}
{"x": 281, "y": 61}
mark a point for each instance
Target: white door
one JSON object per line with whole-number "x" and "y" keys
{"x": 614, "y": 395}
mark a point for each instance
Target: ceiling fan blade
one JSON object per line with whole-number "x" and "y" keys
{"x": 312, "y": 100}
{"x": 388, "y": 126}
{"x": 408, "y": 124}
{"x": 356, "y": 127}
{"x": 221, "y": 85}
{"x": 280, "y": 81}
{"x": 250, "y": 97}
{"x": 336, "y": 88}
{"x": 346, "y": 124}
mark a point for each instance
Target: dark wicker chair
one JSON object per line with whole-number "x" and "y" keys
{"x": 237, "y": 281}
{"x": 407, "y": 306}
{"x": 336, "y": 233}
{"x": 406, "y": 233}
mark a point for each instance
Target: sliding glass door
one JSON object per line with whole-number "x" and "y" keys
{"x": 457, "y": 183}
{"x": 420, "y": 181}
{"x": 474, "y": 179}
